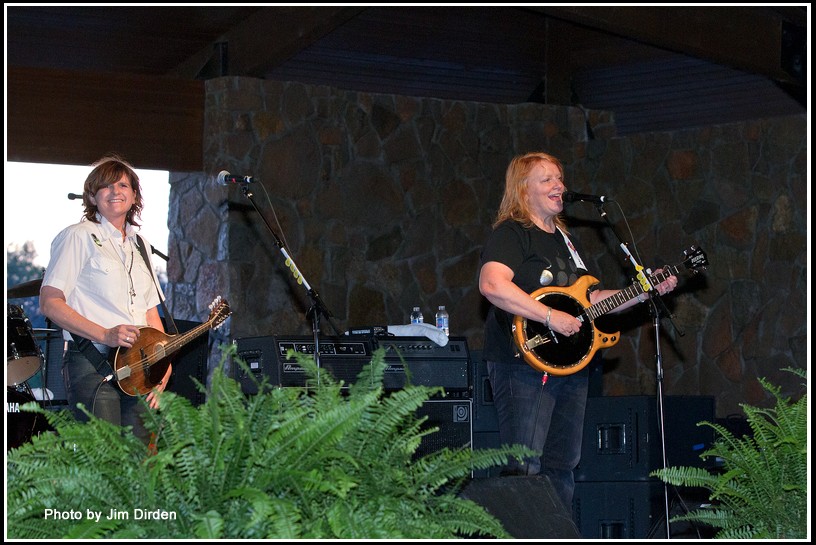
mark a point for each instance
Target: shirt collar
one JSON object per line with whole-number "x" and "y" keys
{"x": 107, "y": 230}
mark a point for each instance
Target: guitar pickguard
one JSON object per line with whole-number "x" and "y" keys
{"x": 561, "y": 352}
{"x": 549, "y": 351}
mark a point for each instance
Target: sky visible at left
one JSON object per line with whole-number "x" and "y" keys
{"x": 37, "y": 205}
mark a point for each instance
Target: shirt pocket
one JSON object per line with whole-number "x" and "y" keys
{"x": 102, "y": 276}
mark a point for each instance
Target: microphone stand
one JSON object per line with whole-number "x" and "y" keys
{"x": 656, "y": 307}
{"x": 317, "y": 308}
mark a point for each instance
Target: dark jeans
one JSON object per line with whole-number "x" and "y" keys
{"x": 84, "y": 384}
{"x": 549, "y": 419}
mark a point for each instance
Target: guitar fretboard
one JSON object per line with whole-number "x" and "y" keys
{"x": 627, "y": 294}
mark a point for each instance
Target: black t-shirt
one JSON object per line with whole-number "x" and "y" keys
{"x": 528, "y": 252}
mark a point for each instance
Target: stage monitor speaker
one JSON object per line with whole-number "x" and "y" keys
{"x": 622, "y": 440}
{"x": 617, "y": 509}
{"x": 527, "y": 506}
{"x": 190, "y": 362}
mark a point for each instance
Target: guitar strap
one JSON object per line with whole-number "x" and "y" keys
{"x": 97, "y": 358}
{"x": 143, "y": 250}
{"x": 578, "y": 261}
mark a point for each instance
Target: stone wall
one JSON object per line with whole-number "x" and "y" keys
{"x": 383, "y": 202}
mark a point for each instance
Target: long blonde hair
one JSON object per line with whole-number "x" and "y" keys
{"x": 514, "y": 202}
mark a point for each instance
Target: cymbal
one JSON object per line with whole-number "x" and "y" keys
{"x": 26, "y": 289}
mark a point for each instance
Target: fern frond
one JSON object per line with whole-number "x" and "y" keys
{"x": 761, "y": 489}
{"x": 328, "y": 461}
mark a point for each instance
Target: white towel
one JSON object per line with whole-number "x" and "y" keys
{"x": 420, "y": 330}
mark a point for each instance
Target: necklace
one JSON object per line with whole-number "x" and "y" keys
{"x": 128, "y": 269}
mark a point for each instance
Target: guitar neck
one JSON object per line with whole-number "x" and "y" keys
{"x": 178, "y": 341}
{"x": 627, "y": 294}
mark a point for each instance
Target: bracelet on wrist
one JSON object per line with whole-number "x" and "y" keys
{"x": 641, "y": 298}
{"x": 549, "y": 313}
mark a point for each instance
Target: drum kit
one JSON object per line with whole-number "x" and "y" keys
{"x": 24, "y": 360}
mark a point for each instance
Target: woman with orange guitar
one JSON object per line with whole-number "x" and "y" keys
{"x": 530, "y": 247}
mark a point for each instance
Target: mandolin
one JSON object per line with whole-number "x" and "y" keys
{"x": 140, "y": 368}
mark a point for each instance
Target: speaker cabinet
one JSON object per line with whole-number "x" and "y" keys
{"x": 261, "y": 357}
{"x": 485, "y": 423}
{"x": 484, "y": 413}
{"x": 527, "y": 506}
{"x": 622, "y": 440}
{"x": 454, "y": 420}
{"x": 190, "y": 362}
{"x": 616, "y": 510}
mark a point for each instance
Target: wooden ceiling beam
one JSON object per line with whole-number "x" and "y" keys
{"x": 267, "y": 38}
{"x": 744, "y": 38}
{"x": 73, "y": 118}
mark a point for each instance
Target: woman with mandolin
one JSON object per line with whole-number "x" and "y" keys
{"x": 530, "y": 247}
{"x": 100, "y": 289}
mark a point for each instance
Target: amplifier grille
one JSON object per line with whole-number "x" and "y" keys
{"x": 414, "y": 360}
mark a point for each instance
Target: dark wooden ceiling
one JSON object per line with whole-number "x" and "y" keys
{"x": 657, "y": 68}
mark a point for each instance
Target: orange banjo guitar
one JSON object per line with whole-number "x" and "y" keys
{"x": 553, "y": 353}
{"x": 139, "y": 369}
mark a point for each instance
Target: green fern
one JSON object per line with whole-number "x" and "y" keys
{"x": 320, "y": 462}
{"x": 761, "y": 490}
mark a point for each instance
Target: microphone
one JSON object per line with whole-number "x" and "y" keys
{"x": 225, "y": 178}
{"x": 569, "y": 196}
{"x": 73, "y": 196}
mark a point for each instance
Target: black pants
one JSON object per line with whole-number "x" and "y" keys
{"x": 84, "y": 384}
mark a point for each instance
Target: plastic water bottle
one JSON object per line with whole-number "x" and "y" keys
{"x": 416, "y": 316}
{"x": 443, "y": 320}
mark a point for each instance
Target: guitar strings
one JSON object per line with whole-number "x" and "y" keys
{"x": 144, "y": 363}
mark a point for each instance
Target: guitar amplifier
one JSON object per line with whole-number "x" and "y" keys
{"x": 409, "y": 360}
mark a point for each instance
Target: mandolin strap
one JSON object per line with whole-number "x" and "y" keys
{"x": 143, "y": 250}
{"x": 97, "y": 358}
